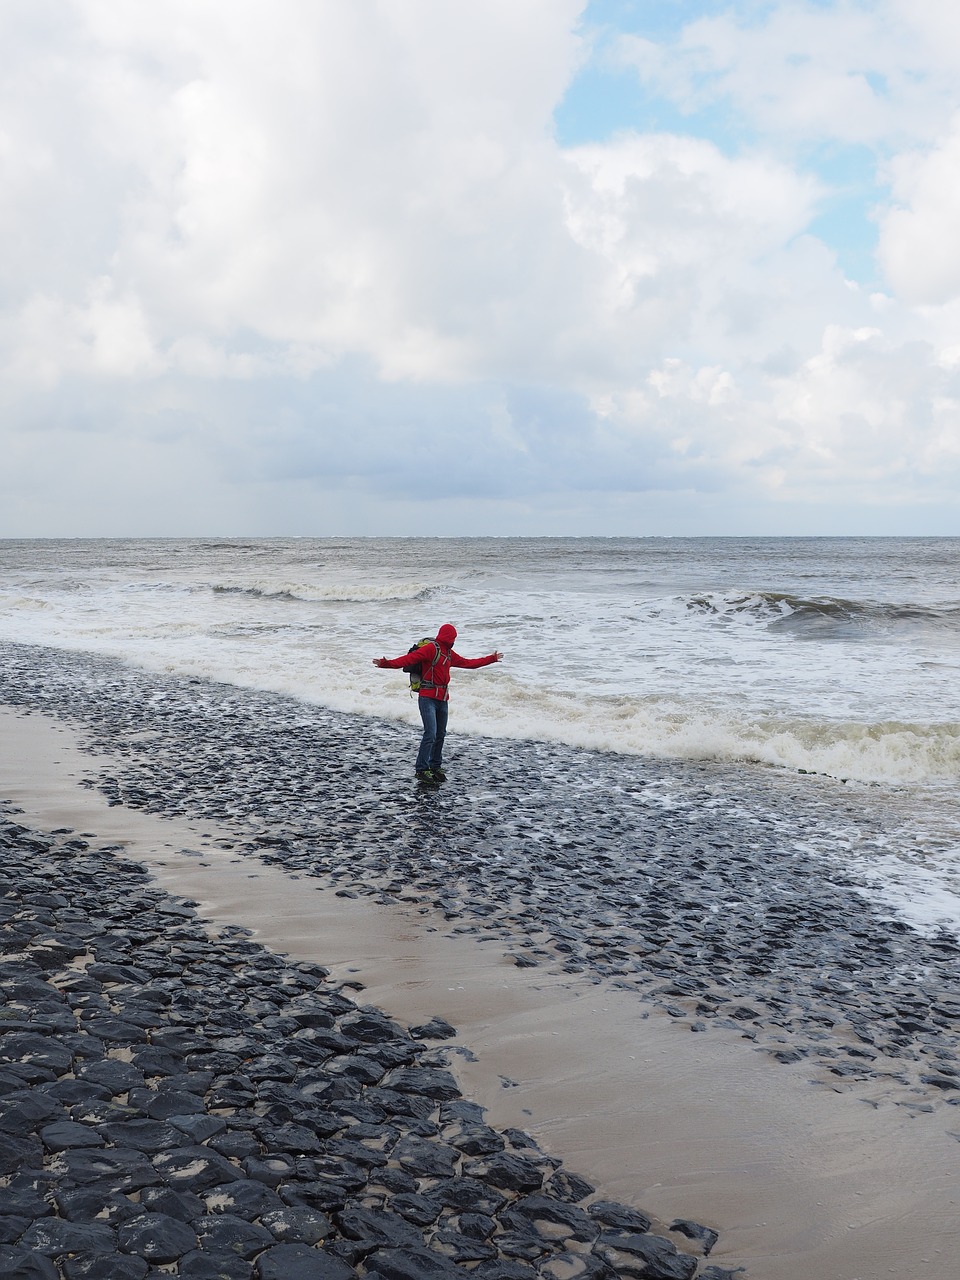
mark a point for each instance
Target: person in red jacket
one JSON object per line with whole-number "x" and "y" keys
{"x": 436, "y": 657}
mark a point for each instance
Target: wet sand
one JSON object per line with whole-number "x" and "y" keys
{"x": 798, "y": 1180}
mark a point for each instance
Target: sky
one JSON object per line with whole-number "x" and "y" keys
{"x": 497, "y": 267}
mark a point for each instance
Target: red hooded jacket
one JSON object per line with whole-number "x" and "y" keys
{"x": 436, "y": 657}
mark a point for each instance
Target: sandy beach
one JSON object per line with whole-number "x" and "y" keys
{"x": 843, "y": 1181}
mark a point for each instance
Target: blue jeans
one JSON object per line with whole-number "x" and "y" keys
{"x": 434, "y": 717}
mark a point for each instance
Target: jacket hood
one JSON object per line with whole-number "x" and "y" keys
{"x": 447, "y": 634}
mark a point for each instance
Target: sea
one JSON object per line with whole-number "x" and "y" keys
{"x": 832, "y": 660}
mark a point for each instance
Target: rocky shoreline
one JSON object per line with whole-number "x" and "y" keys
{"x": 173, "y": 1102}
{"x": 257, "y": 1108}
{"x": 705, "y": 889}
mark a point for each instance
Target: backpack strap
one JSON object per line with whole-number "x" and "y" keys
{"x": 429, "y": 684}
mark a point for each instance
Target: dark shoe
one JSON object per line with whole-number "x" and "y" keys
{"x": 427, "y": 778}
{"x": 439, "y": 775}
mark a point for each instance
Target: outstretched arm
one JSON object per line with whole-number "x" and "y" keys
{"x": 472, "y": 663}
{"x": 406, "y": 659}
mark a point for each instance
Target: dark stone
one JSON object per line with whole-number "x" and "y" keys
{"x": 326, "y": 1196}
{"x": 167, "y": 1102}
{"x": 411, "y": 1264}
{"x": 98, "y": 1202}
{"x": 357, "y": 1152}
{"x": 117, "y": 974}
{"x": 461, "y": 1248}
{"x": 118, "y": 1077}
{"x": 243, "y": 1199}
{"x": 11, "y": 1229}
{"x": 21, "y": 1264}
{"x": 25, "y": 1201}
{"x": 426, "y": 1159}
{"x": 426, "y": 1081}
{"x": 19, "y": 1152}
{"x": 694, "y": 1231}
{"x": 435, "y": 1029}
{"x": 478, "y": 1226}
{"x": 23, "y": 1112}
{"x": 576, "y": 1266}
{"x": 301, "y": 1262}
{"x": 379, "y": 1227}
{"x": 73, "y": 1092}
{"x": 123, "y": 1169}
{"x": 543, "y": 1209}
{"x": 115, "y": 1031}
{"x": 271, "y": 1170}
{"x": 214, "y": 1266}
{"x": 270, "y": 1066}
{"x": 104, "y": 1266}
{"x": 295, "y": 1139}
{"x": 227, "y": 1233}
{"x": 503, "y": 1269}
{"x": 27, "y": 1046}
{"x": 55, "y": 1236}
{"x": 478, "y": 1141}
{"x": 467, "y": 1193}
{"x": 661, "y": 1260}
{"x": 612, "y": 1214}
{"x": 175, "y": 1204}
{"x": 143, "y": 1135}
{"x": 339, "y": 1170}
{"x": 368, "y": 1026}
{"x": 195, "y": 1169}
{"x": 515, "y": 1244}
{"x": 198, "y": 1128}
{"x": 510, "y": 1172}
{"x": 298, "y": 1225}
{"x": 416, "y": 1208}
{"x": 158, "y": 1237}
{"x": 394, "y": 1180}
{"x": 940, "y": 1081}
{"x": 569, "y": 1186}
{"x": 234, "y": 1144}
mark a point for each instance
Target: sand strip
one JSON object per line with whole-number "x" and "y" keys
{"x": 799, "y": 1181}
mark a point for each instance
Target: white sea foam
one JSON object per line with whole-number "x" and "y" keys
{"x": 327, "y": 593}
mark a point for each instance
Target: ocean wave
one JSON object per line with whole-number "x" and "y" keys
{"x": 896, "y": 753}
{"x": 331, "y": 593}
{"x": 28, "y": 604}
{"x": 823, "y": 616}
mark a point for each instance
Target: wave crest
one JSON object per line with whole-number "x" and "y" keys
{"x": 823, "y": 616}
{"x": 334, "y": 593}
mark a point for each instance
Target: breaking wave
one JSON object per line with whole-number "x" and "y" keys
{"x": 896, "y": 753}
{"x": 336, "y": 593}
{"x": 820, "y": 617}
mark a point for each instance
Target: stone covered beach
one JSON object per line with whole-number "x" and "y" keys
{"x": 177, "y": 1098}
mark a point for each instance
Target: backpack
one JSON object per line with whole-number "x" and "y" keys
{"x": 415, "y": 670}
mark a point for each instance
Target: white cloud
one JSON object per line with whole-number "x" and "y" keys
{"x": 365, "y": 178}
{"x": 289, "y": 244}
{"x": 920, "y": 237}
{"x": 851, "y": 72}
